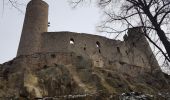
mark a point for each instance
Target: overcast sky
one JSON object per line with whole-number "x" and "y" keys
{"x": 61, "y": 16}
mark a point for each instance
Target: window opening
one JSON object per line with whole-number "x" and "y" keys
{"x": 118, "y": 49}
{"x": 84, "y": 48}
{"x": 53, "y": 55}
{"x": 133, "y": 44}
{"x": 99, "y": 51}
{"x": 71, "y": 41}
{"x": 97, "y": 44}
{"x": 126, "y": 52}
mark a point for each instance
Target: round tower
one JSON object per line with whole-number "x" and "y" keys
{"x": 35, "y": 23}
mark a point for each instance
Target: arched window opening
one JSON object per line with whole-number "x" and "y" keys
{"x": 71, "y": 41}
{"x": 97, "y": 44}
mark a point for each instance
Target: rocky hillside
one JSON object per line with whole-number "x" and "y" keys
{"x": 61, "y": 76}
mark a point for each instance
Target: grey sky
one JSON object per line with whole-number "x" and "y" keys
{"x": 61, "y": 17}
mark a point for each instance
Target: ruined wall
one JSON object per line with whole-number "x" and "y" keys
{"x": 137, "y": 40}
{"x": 80, "y": 43}
{"x": 35, "y": 23}
{"x": 100, "y": 49}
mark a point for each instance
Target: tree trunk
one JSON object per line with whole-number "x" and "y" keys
{"x": 164, "y": 40}
{"x": 160, "y": 32}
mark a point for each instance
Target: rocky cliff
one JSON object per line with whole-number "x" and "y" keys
{"x": 61, "y": 76}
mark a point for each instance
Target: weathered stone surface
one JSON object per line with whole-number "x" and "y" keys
{"x": 35, "y": 23}
{"x": 68, "y": 75}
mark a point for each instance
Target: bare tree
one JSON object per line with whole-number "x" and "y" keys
{"x": 152, "y": 15}
{"x": 13, "y": 3}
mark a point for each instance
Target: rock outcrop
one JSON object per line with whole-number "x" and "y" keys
{"x": 59, "y": 76}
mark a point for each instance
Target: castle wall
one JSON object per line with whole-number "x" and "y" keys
{"x": 100, "y": 49}
{"x": 35, "y": 23}
{"x": 83, "y": 43}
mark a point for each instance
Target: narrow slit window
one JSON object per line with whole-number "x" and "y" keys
{"x": 126, "y": 52}
{"x": 71, "y": 41}
{"x": 133, "y": 44}
{"x": 99, "y": 51}
{"x": 118, "y": 49}
{"x": 85, "y": 47}
{"x": 143, "y": 60}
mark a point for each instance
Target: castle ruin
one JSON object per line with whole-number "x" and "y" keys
{"x": 133, "y": 51}
{"x": 69, "y": 65}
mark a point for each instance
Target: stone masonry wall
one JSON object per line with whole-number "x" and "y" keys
{"x": 100, "y": 49}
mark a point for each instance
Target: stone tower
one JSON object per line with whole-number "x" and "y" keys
{"x": 35, "y": 23}
{"x": 137, "y": 40}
